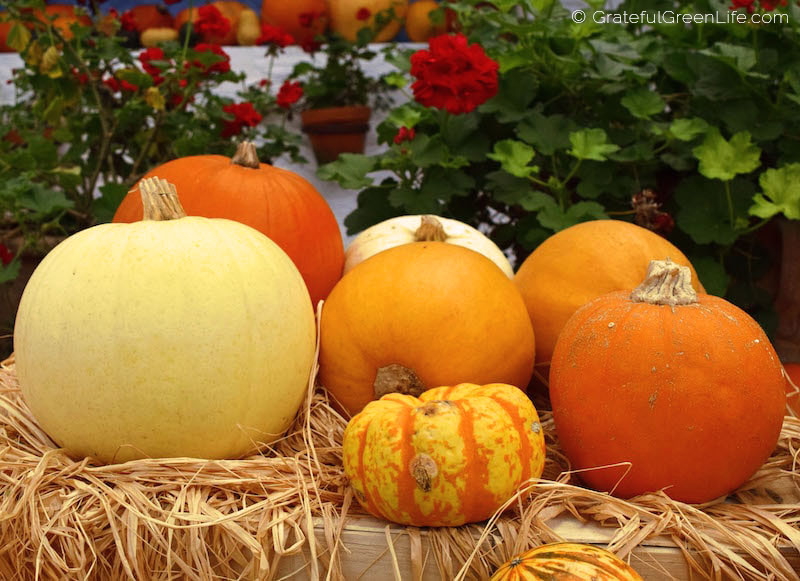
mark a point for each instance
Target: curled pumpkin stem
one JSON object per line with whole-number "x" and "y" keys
{"x": 160, "y": 200}
{"x": 396, "y": 378}
{"x": 430, "y": 230}
{"x": 666, "y": 283}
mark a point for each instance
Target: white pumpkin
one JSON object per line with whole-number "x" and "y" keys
{"x": 406, "y": 229}
{"x": 187, "y": 337}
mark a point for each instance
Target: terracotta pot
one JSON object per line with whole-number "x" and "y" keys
{"x": 336, "y": 130}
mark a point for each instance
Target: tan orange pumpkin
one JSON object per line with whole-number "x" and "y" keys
{"x": 452, "y": 456}
{"x": 680, "y": 391}
{"x": 277, "y": 202}
{"x": 566, "y": 562}
{"x": 420, "y": 315}
{"x": 581, "y": 263}
{"x": 303, "y": 19}
{"x": 793, "y": 388}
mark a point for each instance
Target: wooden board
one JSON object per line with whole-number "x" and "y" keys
{"x": 365, "y": 553}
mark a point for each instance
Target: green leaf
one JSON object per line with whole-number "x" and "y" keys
{"x": 546, "y": 133}
{"x": 18, "y": 37}
{"x": 106, "y": 205}
{"x": 373, "y": 207}
{"x": 712, "y": 274}
{"x": 703, "y": 209}
{"x": 407, "y": 115}
{"x": 457, "y": 128}
{"x": 397, "y": 80}
{"x": 514, "y": 157}
{"x": 140, "y": 79}
{"x": 643, "y": 103}
{"x": 723, "y": 160}
{"x": 687, "y": 128}
{"x": 553, "y": 217}
{"x": 414, "y": 201}
{"x": 781, "y": 193}
{"x": 741, "y": 57}
{"x": 517, "y": 89}
{"x": 10, "y": 271}
{"x": 44, "y": 201}
{"x": 350, "y": 171}
{"x": 427, "y": 151}
{"x": 591, "y": 144}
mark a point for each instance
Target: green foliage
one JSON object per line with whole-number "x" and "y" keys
{"x": 588, "y": 116}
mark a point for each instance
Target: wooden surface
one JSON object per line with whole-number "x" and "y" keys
{"x": 365, "y": 554}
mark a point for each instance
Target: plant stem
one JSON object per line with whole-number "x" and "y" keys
{"x": 729, "y": 197}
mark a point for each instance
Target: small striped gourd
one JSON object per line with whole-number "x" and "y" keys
{"x": 452, "y": 456}
{"x": 566, "y": 562}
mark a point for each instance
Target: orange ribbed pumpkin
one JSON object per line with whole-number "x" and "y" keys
{"x": 685, "y": 387}
{"x": 793, "y": 388}
{"x": 303, "y": 19}
{"x": 420, "y": 315}
{"x": 566, "y": 562}
{"x": 581, "y": 263}
{"x": 452, "y": 456}
{"x": 277, "y": 202}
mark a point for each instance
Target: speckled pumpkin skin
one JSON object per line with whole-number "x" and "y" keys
{"x": 693, "y": 396}
{"x": 452, "y": 456}
{"x": 566, "y": 562}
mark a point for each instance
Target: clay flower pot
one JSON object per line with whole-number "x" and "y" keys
{"x": 336, "y": 130}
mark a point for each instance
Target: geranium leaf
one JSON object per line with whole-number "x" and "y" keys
{"x": 546, "y": 133}
{"x": 703, "y": 209}
{"x": 723, "y": 160}
{"x": 514, "y": 157}
{"x": 591, "y": 144}
{"x": 687, "y": 128}
{"x": 781, "y": 193}
{"x": 350, "y": 171}
{"x": 643, "y": 103}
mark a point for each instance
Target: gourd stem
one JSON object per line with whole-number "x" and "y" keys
{"x": 666, "y": 283}
{"x": 430, "y": 230}
{"x": 160, "y": 200}
{"x": 396, "y": 378}
{"x": 246, "y": 155}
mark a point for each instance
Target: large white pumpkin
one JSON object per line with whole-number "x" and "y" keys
{"x": 187, "y": 337}
{"x": 414, "y": 228}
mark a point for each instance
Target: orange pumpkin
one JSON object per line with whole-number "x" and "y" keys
{"x": 303, "y": 19}
{"x": 151, "y": 16}
{"x": 5, "y": 28}
{"x": 420, "y": 315}
{"x": 581, "y": 263}
{"x": 346, "y": 22}
{"x": 566, "y": 562}
{"x": 277, "y": 202}
{"x": 452, "y": 456}
{"x": 793, "y": 388}
{"x": 229, "y": 9}
{"x": 419, "y": 26}
{"x": 684, "y": 389}
{"x": 62, "y": 17}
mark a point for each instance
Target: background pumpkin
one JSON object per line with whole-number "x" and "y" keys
{"x": 566, "y": 562}
{"x": 277, "y": 202}
{"x": 62, "y": 17}
{"x": 419, "y": 26}
{"x": 686, "y": 388}
{"x": 445, "y": 313}
{"x": 792, "y": 393}
{"x": 405, "y": 229}
{"x": 453, "y": 456}
{"x": 147, "y": 16}
{"x": 303, "y": 19}
{"x": 185, "y": 337}
{"x": 581, "y": 263}
{"x": 345, "y": 21}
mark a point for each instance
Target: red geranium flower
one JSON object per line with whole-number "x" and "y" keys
{"x": 211, "y": 23}
{"x": 81, "y": 77}
{"x": 244, "y": 114}
{"x": 220, "y": 67}
{"x": 170, "y": 2}
{"x": 453, "y": 75}
{"x": 128, "y": 20}
{"x": 310, "y": 45}
{"x": 274, "y": 35}
{"x": 5, "y": 254}
{"x": 770, "y": 5}
{"x": 152, "y": 54}
{"x": 307, "y": 19}
{"x": 404, "y": 134}
{"x": 363, "y": 14}
{"x": 288, "y": 94}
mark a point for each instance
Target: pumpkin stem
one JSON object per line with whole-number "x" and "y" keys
{"x": 430, "y": 230}
{"x": 160, "y": 200}
{"x": 395, "y": 378}
{"x": 423, "y": 469}
{"x": 666, "y": 283}
{"x": 246, "y": 155}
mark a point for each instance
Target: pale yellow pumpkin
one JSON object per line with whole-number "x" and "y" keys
{"x": 406, "y": 229}
{"x": 185, "y": 337}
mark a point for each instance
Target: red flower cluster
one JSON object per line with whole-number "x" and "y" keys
{"x": 404, "y": 134}
{"x": 363, "y": 14}
{"x": 81, "y": 77}
{"x": 770, "y": 5}
{"x": 6, "y": 256}
{"x": 152, "y": 54}
{"x": 128, "y": 20}
{"x": 211, "y": 23}
{"x": 453, "y": 75}
{"x": 115, "y": 85}
{"x": 288, "y": 94}
{"x": 274, "y": 35}
{"x": 243, "y": 114}
{"x": 219, "y": 67}
{"x": 750, "y": 5}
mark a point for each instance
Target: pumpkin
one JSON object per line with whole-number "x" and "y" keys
{"x": 419, "y": 26}
{"x": 155, "y": 36}
{"x": 147, "y": 16}
{"x": 566, "y": 562}
{"x": 405, "y": 229}
{"x": 275, "y": 201}
{"x": 581, "y": 263}
{"x": 345, "y": 20}
{"x": 5, "y": 27}
{"x": 792, "y": 388}
{"x": 303, "y": 19}
{"x": 452, "y": 456}
{"x": 248, "y": 29}
{"x": 666, "y": 388}
{"x": 62, "y": 17}
{"x": 421, "y": 315}
{"x": 170, "y": 337}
